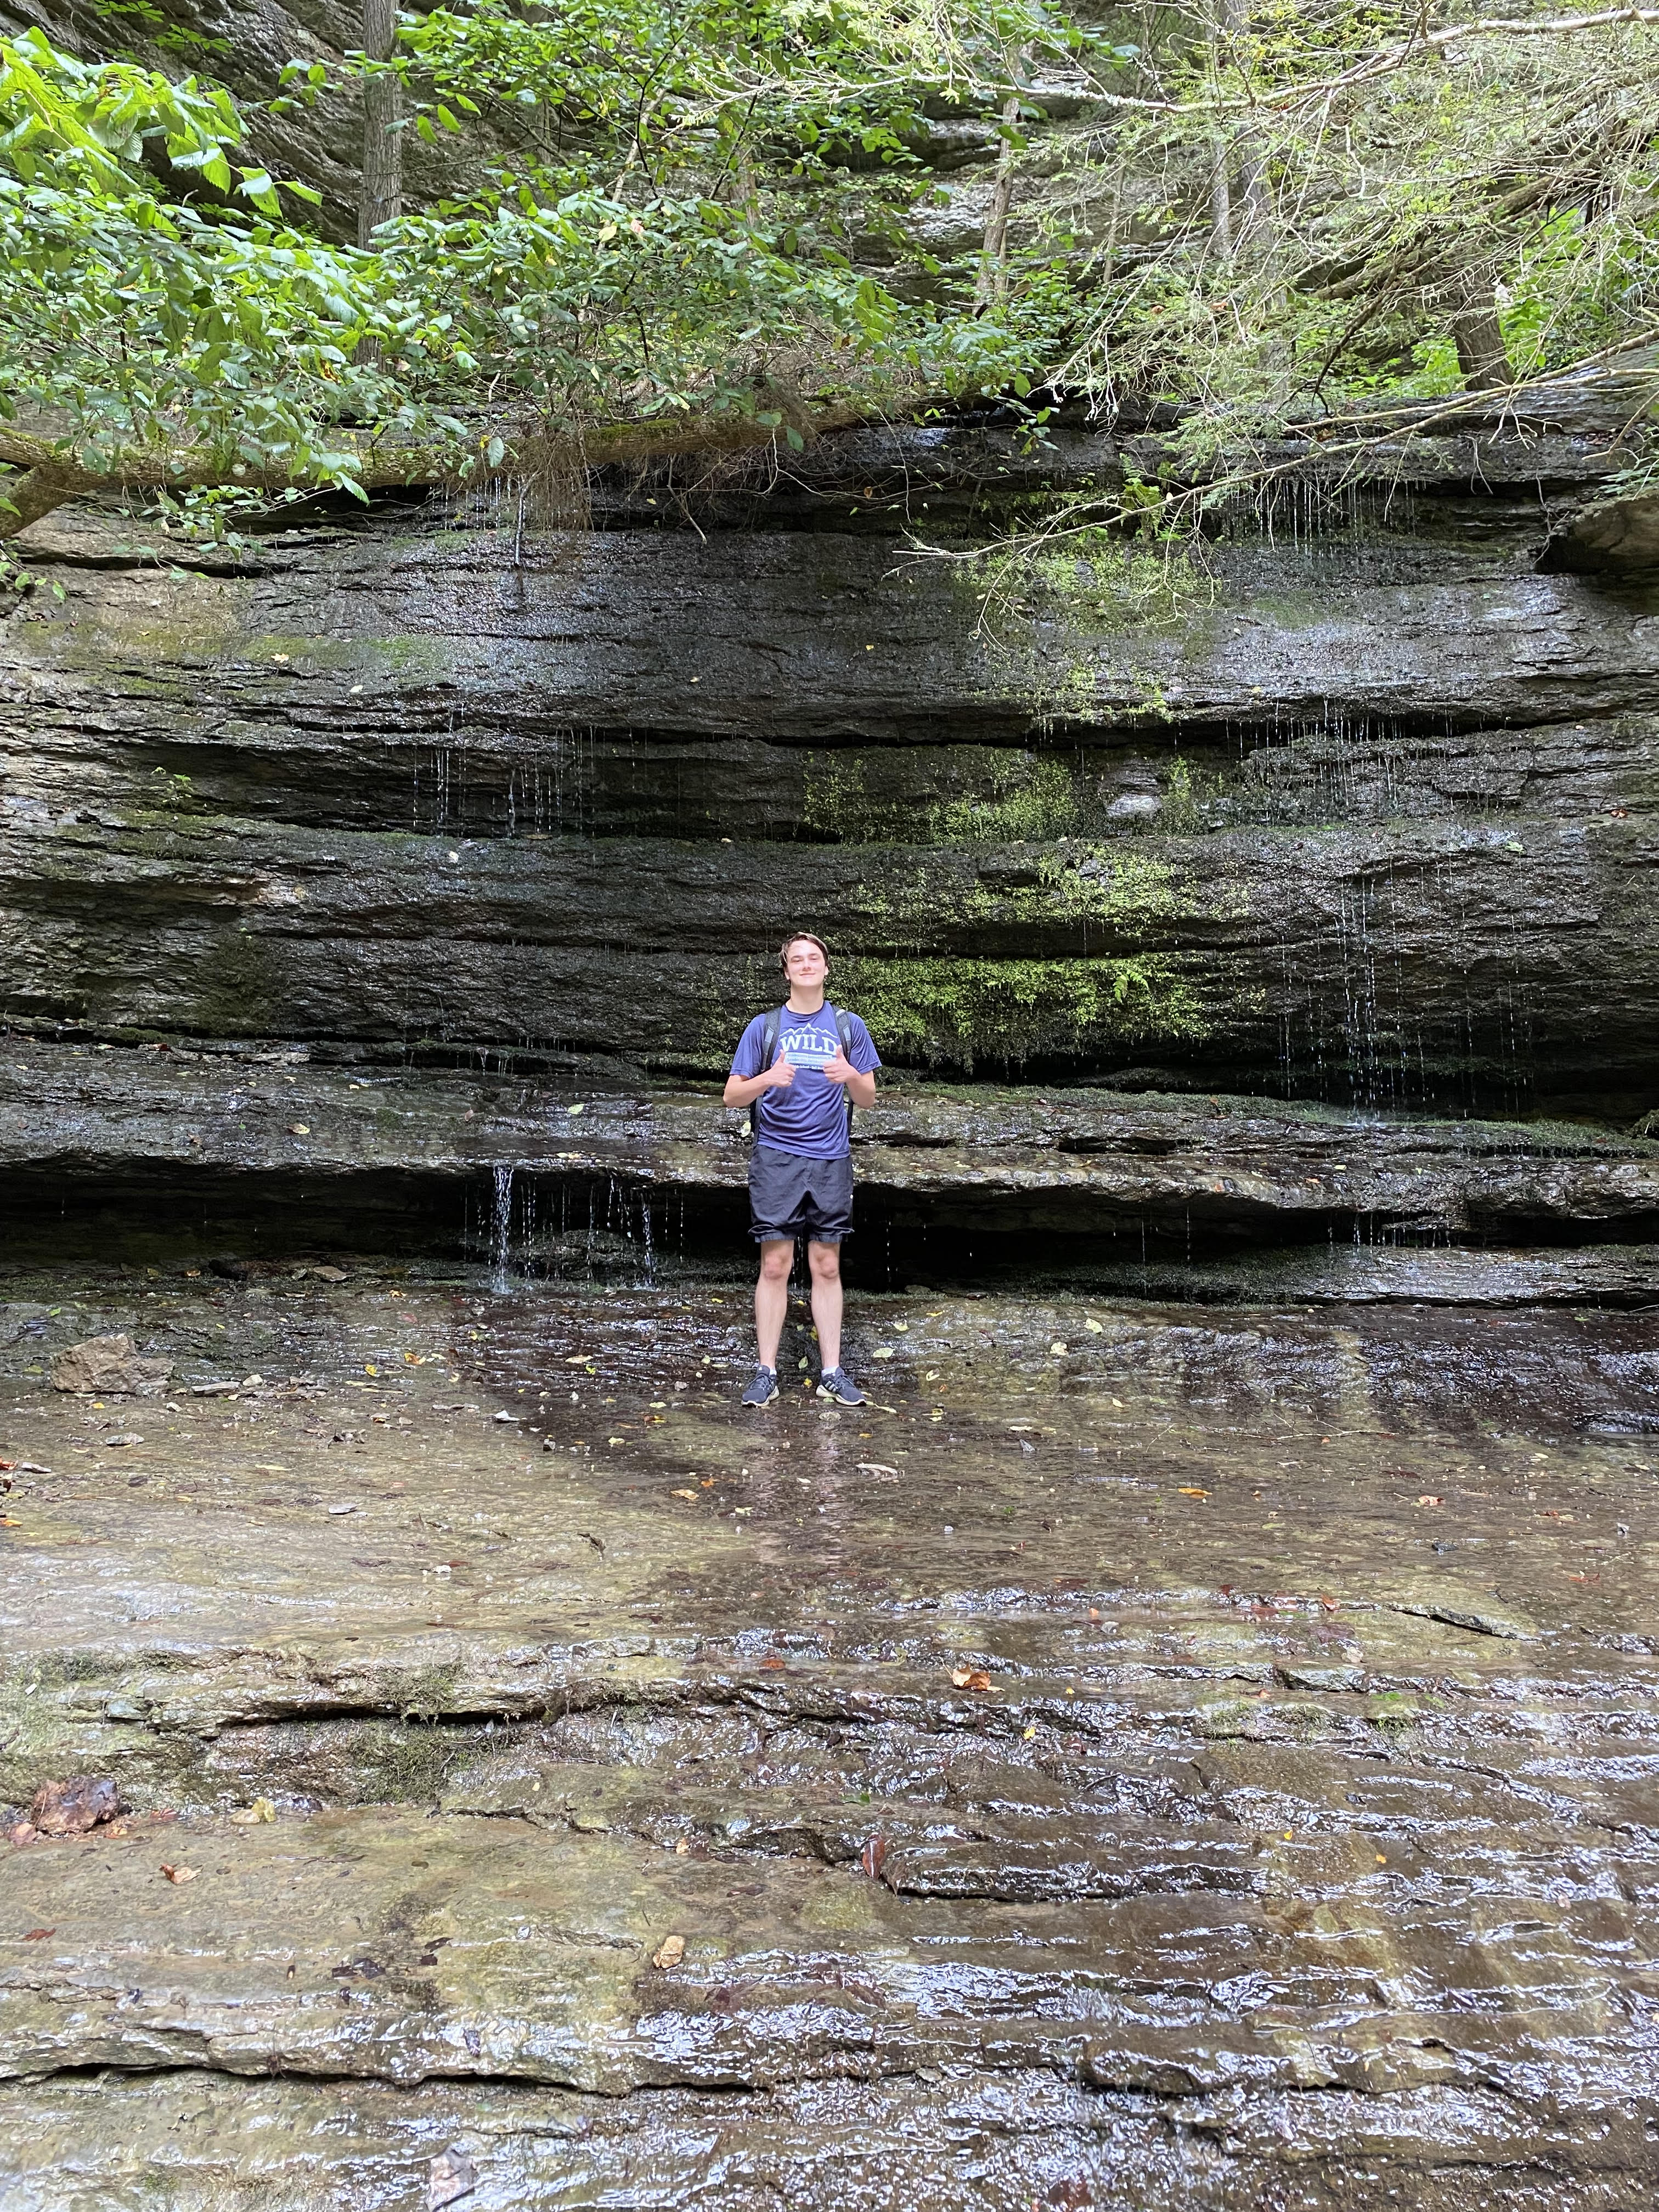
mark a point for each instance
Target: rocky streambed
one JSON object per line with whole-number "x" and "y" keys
{"x": 1189, "y": 1742}
{"x": 1148, "y": 1756}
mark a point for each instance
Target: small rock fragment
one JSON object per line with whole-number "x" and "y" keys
{"x": 212, "y": 1390}
{"x": 178, "y": 1873}
{"x": 115, "y": 1443}
{"x": 251, "y": 1816}
{"x": 331, "y": 1274}
{"x": 110, "y": 1365}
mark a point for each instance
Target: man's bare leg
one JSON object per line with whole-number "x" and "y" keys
{"x": 825, "y": 1260}
{"x": 772, "y": 1296}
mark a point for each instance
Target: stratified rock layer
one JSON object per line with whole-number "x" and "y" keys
{"x": 1277, "y": 835}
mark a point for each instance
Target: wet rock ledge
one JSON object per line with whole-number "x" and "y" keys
{"x": 137, "y": 1146}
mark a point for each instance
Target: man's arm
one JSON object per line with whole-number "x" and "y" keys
{"x": 744, "y": 1090}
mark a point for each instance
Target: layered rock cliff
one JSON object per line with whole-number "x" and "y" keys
{"x": 1356, "y": 815}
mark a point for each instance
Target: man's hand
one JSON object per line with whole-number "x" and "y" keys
{"x": 781, "y": 1075}
{"x": 860, "y": 1088}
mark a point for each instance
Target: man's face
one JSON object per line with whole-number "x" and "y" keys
{"x": 805, "y": 965}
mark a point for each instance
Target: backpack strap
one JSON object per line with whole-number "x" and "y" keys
{"x": 768, "y": 1048}
{"x": 844, "y": 1031}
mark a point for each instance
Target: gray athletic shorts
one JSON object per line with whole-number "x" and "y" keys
{"x": 791, "y": 1197}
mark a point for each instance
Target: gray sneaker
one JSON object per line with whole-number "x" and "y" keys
{"x": 837, "y": 1383}
{"x": 763, "y": 1388}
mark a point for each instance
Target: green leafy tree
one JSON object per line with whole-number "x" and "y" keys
{"x": 655, "y": 253}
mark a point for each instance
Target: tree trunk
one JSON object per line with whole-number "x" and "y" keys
{"x": 382, "y": 196}
{"x": 1479, "y": 336}
{"x": 31, "y": 496}
{"x": 992, "y": 282}
{"x": 1221, "y": 201}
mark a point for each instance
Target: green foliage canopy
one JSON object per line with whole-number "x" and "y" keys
{"x": 644, "y": 251}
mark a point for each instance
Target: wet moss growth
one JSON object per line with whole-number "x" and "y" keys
{"x": 963, "y": 1013}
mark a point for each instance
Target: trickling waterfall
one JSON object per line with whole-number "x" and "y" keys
{"x": 501, "y": 1230}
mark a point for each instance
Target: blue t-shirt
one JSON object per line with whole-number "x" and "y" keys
{"x": 808, "y": 1116}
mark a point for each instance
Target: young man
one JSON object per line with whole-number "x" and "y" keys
{"x": 800, "y": 1171}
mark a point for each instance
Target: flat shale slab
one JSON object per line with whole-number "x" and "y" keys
{"x": 1149, "y": 1756}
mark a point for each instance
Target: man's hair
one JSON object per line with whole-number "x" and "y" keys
{"x": 800, "y": 937}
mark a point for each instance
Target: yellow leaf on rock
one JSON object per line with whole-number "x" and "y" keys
{"x": 669, "y": 1952}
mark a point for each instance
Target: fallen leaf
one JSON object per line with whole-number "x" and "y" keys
{"x": 298, "y": 1129}
{"x": 71, "y": 1808}
{"x": 691, "y": 1494}
{"x": 451, "y": 2176}
{"x": 873, "y": 1856}
{"x": 251, "y": 1816}
{"x": 772, "y": 1664}
{"x": 669, "y": 1953}
{"x": 178, "y": 1873}
{"x": 1192, "y": 1489}
{"x": 971, "y": 1678}
{"x": 1428, "y": 1499}
{"x": 1055, "y": 1350}
{"x": 10, "y": 1521}
{"x": 38, "y": 1934}
{"x": 1027, "y": 1733}
{"x": 883, "y": 1352}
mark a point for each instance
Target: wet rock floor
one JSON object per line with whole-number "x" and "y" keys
{"x": 1152, "y": 1757}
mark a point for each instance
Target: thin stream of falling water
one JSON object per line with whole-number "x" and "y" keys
{"x": 500, "y": 1236}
